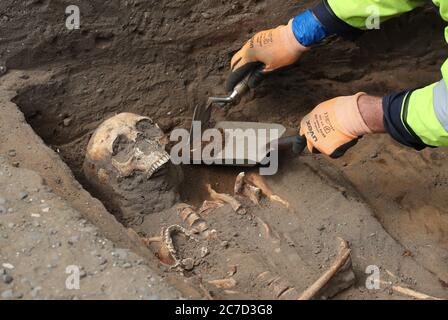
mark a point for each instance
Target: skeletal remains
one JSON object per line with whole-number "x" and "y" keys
{"x": 128, "y": 165}
{"x": 168, "y": 240}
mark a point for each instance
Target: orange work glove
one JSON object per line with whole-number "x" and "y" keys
{"x": 334, "y": 126}
{"x": 266, "y": 51}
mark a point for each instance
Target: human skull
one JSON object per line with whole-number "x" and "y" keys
{"x": 128, "y": 167}
{"x": 133, "y": 143}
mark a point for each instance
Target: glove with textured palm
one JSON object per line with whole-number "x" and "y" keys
{"x": 265, "y": 52}
{"x": 334, "y": 126}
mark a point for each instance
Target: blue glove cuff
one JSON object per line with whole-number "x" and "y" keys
{"x": 307, "y": 29}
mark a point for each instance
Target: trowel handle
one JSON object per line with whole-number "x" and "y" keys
{"x": 238, "y": 92}
{"x": 243, "y": 87}
{"x": 295, "y": 143}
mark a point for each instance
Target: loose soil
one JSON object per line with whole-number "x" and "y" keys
{"x": 162, "y": 58}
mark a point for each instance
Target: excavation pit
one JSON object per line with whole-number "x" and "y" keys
{"x": 233, "y": 259}
{"x": 69, "y": 84}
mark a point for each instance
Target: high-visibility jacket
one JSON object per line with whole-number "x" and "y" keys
{"x": 417, "y": 118}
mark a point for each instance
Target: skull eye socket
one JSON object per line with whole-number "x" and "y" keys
{"x": 144, "y": 124}
{"x": 148, "y": 129}
{"x": 121, "y": 145}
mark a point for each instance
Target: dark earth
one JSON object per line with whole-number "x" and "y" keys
{"x": 162, "y": 58}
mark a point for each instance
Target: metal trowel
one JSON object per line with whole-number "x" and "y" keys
{"x": 253, "y": 143}
{"x": 254, "y": 132}
{"x": 202, "y": 113}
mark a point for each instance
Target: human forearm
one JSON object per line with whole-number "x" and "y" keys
{"x": 371, "y": 110}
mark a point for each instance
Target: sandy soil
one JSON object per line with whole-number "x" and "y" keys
{"x": 42, "y": 236}
{"x": 161, "y": 58}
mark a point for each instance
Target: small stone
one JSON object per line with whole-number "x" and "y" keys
{"x": 82, "y": 274}
{"x": 8, "y": 266}
{"x": 7, "y": 279}
{"x": 3, "y": 210}
{"x": 321, "y": 228}
{"x": 127, "y": 265}
{"x": 100, "y": 90}
{"x": 3, "y": 69}
{"x": 35, "y": 291}
{"x": 317, "y": 251}
{"x": 102, "y": 261}
{"x": 206, "y": 15}
{"x": 73, "y": 240}
{"x": 56, "y": 245}
{"x": 374, "y": 155}
{"x": 24, "y": 76}
{"x": 12, "y": 153}
{"x": 23, "y": 195}
{"x": 16, "y": 164}
{"x": 67, "y": 122}
{"x": 225, "y": 244}
{"x": 204, "y": 252}
{"x": 7, "y": 294}
{"x": 188, "y": 264}
{"x": 120, "y": 254}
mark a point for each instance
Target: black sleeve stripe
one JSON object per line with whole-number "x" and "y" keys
{"x": 434, "y": 6}
{"x": 401, "y": 132}
{"x": 333, "y": 24}
{"x": 408, "y": 127}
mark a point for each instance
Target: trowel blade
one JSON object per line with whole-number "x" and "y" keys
{"x": 255, "y": 133}
{"x": 202, "y": 114}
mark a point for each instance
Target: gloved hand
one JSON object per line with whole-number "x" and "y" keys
{"x": 265, "y": 52}
{"x": 334, "y": 126}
